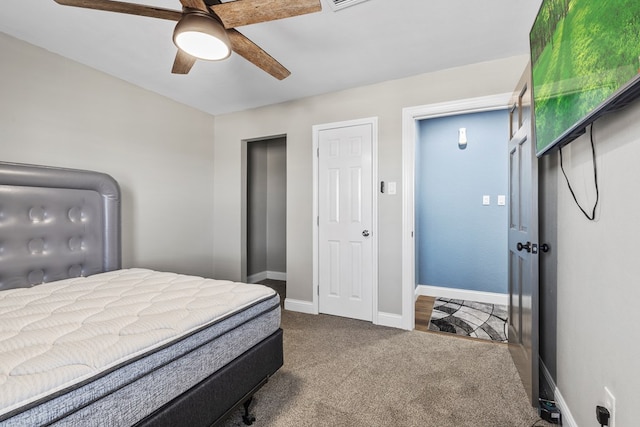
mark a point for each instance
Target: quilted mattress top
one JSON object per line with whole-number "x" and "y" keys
{"x": 61, "y": 333}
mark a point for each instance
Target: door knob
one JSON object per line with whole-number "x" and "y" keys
{"x": 365, "y": 233}
{"x": 526, "y": 246}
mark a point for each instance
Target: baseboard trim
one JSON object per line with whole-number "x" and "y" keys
{"x": 463, "y": 294}
{"x": 258, "y": 277}
{"x": 264, "y": 275}
{"x": 567, "y": 418}
{"x": 277, "y": 275}
{"x": 299, "y": 306}
{"x": 389, "y": 319}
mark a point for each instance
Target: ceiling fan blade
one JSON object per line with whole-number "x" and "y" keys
{"x": 254, "y": 54}
{"x": 244, "y": 12}
{"x": 183, "y": 63}
{"x": 122, "y": 7}
{"x": 195, "y": 4}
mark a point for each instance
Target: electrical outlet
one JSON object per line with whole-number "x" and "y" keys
{"x": 610, "y": 404}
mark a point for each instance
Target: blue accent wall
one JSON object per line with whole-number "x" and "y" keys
{"x": 459, "y": 242}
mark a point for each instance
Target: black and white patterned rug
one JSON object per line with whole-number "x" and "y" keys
{"x": 469, "y": 318}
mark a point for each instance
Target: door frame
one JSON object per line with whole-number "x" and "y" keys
{"x": 373, "y": 121}
{"x": 410, "y": 118}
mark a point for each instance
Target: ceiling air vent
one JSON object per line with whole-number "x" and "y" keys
{"x": 337, "y": 5}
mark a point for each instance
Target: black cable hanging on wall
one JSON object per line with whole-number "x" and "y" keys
{"x": 595, "y": 180}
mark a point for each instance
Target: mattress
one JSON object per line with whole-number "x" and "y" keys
{"x": 115, "y": 346}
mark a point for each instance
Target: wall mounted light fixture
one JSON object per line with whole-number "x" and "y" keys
{"x": 462, "y": 138}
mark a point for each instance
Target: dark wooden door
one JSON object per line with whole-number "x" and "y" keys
{"x": 523, "y": 239}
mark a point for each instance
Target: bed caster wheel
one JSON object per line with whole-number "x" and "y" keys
{"x": 247, "y": 418}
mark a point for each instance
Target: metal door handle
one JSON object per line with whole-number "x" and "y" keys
{"x": 526, "y": 246}
{"x": 365, "y": 233}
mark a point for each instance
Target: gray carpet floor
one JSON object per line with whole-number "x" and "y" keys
{"x": 343, "y": 372}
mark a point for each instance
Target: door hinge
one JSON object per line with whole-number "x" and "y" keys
{"x": 318, "y": 152}
{"x": 318, "y": 290}
{"x": 318, "y": 221}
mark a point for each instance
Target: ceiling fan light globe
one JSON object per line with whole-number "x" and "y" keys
{"x": 203, "y": 37}
{"x": 202, "y": 46}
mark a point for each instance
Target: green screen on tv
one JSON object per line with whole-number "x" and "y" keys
{"x": 582, "y": 53}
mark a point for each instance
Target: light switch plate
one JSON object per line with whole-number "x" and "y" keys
{"x": 486, "y": 200}
{"x": 610, "y": 404}
{"x": 502, "y": 200}
{"x": 391, "y": 187}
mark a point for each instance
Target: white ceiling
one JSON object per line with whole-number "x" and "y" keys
{"x": 366, "y": 43}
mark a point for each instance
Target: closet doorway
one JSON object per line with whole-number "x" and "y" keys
{"x": 266, "y": 235}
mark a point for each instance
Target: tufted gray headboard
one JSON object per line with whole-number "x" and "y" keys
{"x": 56, "y": 223}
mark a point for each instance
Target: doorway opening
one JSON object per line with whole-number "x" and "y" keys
{"x": 411, "y": 131}
{"x": 461, "y": 214}
{"x": 461, "y": 223}
{"x": 266, "y": 215}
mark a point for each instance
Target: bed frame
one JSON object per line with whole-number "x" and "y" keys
{"x": 60, "y": 223}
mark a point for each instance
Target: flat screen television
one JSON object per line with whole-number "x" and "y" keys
{"x": 585, "y": 57}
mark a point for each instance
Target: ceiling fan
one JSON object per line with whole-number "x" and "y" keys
{"x": 206, "y": 28}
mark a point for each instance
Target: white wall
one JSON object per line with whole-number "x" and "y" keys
{"x": 59, "y": 113}
{"x": 295, "y": 119}
{"x": 599, "y": 272}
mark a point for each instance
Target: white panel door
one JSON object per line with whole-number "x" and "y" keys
{"x": 345, "y": 221}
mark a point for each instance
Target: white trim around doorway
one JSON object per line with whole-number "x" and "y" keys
{"x": 410, "y": 118}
